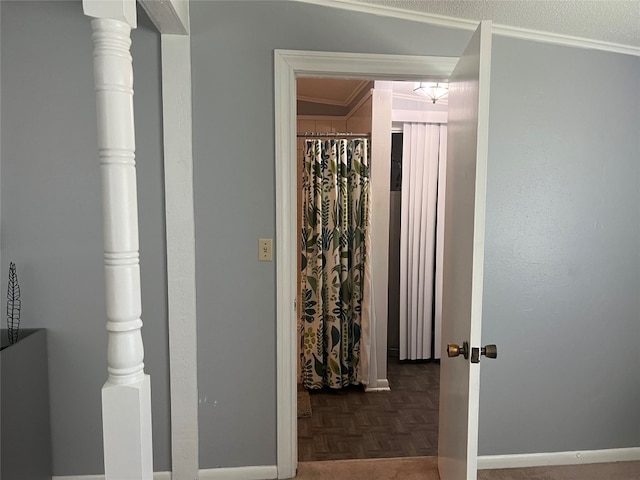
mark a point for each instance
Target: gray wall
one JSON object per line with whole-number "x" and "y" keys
{"x": 562, "y": 254}
{"x": 51, "y": 216}
{"x": 562, "y": 258}
{"x": 233, "y": 131}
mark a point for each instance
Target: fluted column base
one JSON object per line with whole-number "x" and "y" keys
{"x": 126, "y": 429}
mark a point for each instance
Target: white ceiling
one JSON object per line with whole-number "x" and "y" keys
{"x": 611, "y": 21}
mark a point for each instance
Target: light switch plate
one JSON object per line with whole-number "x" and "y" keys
{"x": 265, "y": 249}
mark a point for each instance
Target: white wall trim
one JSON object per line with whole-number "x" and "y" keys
{"x": 156, "y": 476}
{"x": 358, "y": 105}
{"x": 346, "y": 117}
{"x": 382, "y": 385}
{"x": 558, "y": 458}
{"x": 169, "y": 16}
{"x": 380, "y": 184}
{"x": 181, "y": 255}
{"x": 266, "y": 472}
{"x": 565, "y": 40}
{"x": 485, "y": 462}
{"x": 287, "y": 65}
{"x": 385, "y": 11}
{"x": 286, "y": 264}
{"x": 366, "y": 65}
{"x": 465, "y": 24}
{"x": 323, "y": 101}
{"x": 262, "y": 472}
{"x": 340, "y": 103}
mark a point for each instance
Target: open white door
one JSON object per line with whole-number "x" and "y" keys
{"x": 464, "y": 257}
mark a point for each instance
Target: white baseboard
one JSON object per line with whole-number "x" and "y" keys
{"x": 558, "y": 458}
{"x": 485, "y": 462}
{"x": 156, "y": 476}
{"x": 263, "y": 472}
{"x": 266, "y": 472}
{"x": 382, "y": 385}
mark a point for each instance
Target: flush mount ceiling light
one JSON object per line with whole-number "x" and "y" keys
{"x": 433, "y": 90}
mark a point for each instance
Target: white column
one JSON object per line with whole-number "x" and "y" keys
{"x": 126, "y": 395}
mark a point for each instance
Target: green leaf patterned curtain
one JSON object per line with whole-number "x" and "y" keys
{"x": 335, "y": 205}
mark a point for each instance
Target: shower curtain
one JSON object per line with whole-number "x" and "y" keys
{"x": 424, "y": 151}
{"x": 335, "y": 209}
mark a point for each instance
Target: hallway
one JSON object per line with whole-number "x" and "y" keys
{"x": 353, "y": 424}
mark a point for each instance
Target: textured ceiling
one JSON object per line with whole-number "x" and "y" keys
{"x": 611, "y": 21}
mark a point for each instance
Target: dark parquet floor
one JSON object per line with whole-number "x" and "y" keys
{"x": 350, "y": 424}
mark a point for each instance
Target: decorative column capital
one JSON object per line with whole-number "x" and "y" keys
{"x": 122, "y": 10}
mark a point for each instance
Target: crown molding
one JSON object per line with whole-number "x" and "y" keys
{"x": 338, "y": 103}
{"x": 336, "y": 118}
{"x": 357, "y": 92}
{"x": 565, "y": 40}
{"x": 358, "y": 105}
{"x": 464, "y": 24}
{"x": 323, "y": 101}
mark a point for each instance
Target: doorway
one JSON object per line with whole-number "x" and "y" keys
{"x": 289, "y": 64}
{"x": 457, "y": 442}
{"x": 349, "y": 423}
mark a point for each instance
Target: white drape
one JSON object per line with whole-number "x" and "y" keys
{"x": 423, "y": 146}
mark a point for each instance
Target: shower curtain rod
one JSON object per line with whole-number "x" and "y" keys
{"x": 323, "y": 135}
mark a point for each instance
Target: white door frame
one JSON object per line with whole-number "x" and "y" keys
{"x": 290, "y": 64}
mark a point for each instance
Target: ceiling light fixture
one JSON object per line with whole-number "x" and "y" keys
{"x": 433, "y": 90}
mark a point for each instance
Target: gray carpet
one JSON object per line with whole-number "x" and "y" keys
{"x": 594, "y": 471}
{"x": 426, "y": 468}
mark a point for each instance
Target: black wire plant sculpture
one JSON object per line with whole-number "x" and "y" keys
{"x": 13, "y": 305}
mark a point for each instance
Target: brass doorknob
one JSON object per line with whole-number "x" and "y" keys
{"x": 454, "y": 350}
{"x": 489, "y": 351}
